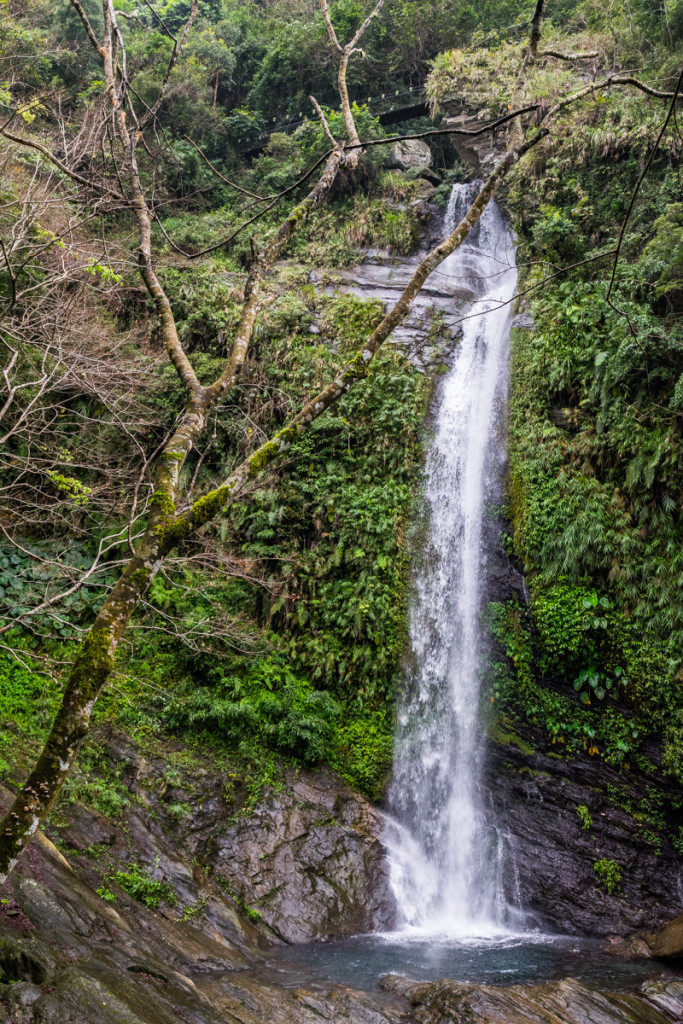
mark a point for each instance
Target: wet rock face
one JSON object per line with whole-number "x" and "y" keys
{"x": 307, "y": 860}
{"x": 311, "y": 860}
{"x": 68, "y": 956}
{"x": 557, "y": 1002}
{"x": 429, "y": 344}
{"x": 535, "y": 797}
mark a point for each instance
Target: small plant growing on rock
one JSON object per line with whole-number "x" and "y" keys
{"x": 584, "y": 816}
{"x": 107, "y": 895}
{"x": 142, "y": 887}
{"x": 609, "y": 873}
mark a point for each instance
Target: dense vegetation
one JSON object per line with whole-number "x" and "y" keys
{"x": 596, "y": 479}
{"x": 279, "y": 632}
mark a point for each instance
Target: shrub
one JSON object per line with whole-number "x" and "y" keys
{"x": 584, "y": 817}
{"x": 270, "y": 704}
{"x": 364, "y": 753}
{"x": 609, "y": 873}
{"x": 142, "y": 887}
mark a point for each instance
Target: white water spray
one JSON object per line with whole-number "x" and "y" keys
{"x": 446, "y": 858}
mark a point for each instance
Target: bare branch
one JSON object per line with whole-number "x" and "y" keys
{"x": 31, "y": 144}
{"x": 177, "y": 50}
{"x": 644, "y": 87}
{"x": 363, "y": 28}
{"x": 569, "y": 56}
{"x": 346, "y": 52}
{"x": 636, "y": 190}
{"x": 330, "y": 27}
{"x": 232, "y": 184}
{"x": 88, "y": 27}
{"x": 323, "y": 120}
{"x": 160, "y": 20}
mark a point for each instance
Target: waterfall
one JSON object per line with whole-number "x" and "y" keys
{"x": 446, "y": 856}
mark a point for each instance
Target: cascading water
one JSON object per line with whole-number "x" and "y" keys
{"x": 452, "y": 873}
{"x": 445, "y": 856}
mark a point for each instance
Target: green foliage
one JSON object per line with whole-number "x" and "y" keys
{"x": 313, "y": 140}
{"x": 269, "y": 705}
{"x": 610, "y": 874}
{"x": 557, "y": 236}
{"x": 364, "y": 752}
{"x": 665, "y": 254}
{"x": 26, "y": 697}
{"x": 596, "y": 440}
{"x": 78, "y": 492}
{"x": 315, "y": 597}
{"x": 600, "y": 683}
{"x": 139, "y": 884}
{"x": 325, "y": 624}
{"x": 97, "y": 784}
{"x": 517, "y": 689}
{"x": 584, "y": 817}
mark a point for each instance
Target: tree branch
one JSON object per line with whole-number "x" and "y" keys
{"x": 516, "y": 131}
{"x": 178, "y": 48}
{"x": 323, "y": 120}
{"x": 88, "y": 27}
{"x": 568, "y": 56}
{"x": 636, "y": 190}
{"x": 330, "y": 27}
{"x": 60, "y": 165}
{"x": 232, "y": 184}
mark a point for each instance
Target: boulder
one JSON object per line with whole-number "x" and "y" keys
{"x": 408, "y": 154}
{"x": 668, "y": 942}
{"x": 310, "y": 859}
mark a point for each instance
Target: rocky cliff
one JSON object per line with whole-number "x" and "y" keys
{"x": 536, "y": 796}
{"x": 561, "y": 815}
{"x": 199, "y": 956}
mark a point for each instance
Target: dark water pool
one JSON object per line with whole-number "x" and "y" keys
{"x": 361, "y": 962}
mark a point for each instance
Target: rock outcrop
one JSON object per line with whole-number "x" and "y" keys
{"x": 667, "y": 943}
{"x": 311, "y": 860}
{"x": 409, "y": 154}
{"x": 535, "y": 796}
{"x": 559, "y": 1002}
{"x": 66, "y": 955}
{"x": 306, "y": 860}
{"x": 479, "y": 152}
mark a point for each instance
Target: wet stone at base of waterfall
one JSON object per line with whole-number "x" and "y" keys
{"x": 560, "y": 1002}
